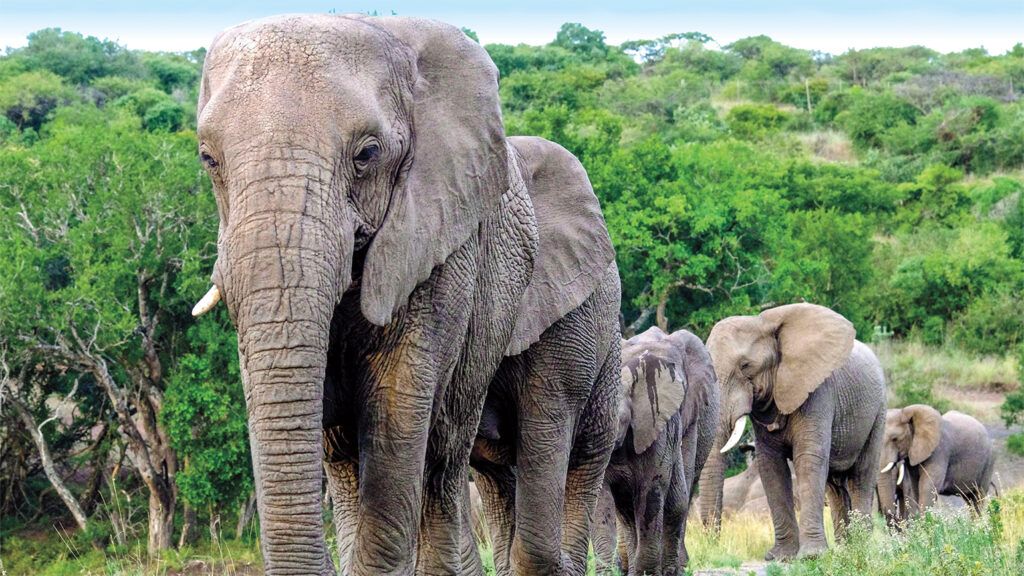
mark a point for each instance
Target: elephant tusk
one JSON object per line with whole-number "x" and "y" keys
{"x": 887, "y": 467}
{"x": 737, "y": 431}
{"x": 899, "y": 477}
{"x": 207, "y": 302}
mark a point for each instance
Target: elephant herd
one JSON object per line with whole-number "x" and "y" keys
{"x": 420, "y": 298}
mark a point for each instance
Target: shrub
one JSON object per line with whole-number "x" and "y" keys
{"x": 991, "y": 324}
{"x": 755, "y": 120}
{"x": 27, "y": 99}
{"x": 871, "y": 115}
{"x": 1015, "y": 443}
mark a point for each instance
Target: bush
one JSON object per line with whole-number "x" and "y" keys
{"x": 752, "y": 121}
{"x": 991, "y": 324}
{"x": 871, "y": 115}
{"x": 27, "y": 99}
{"x": 1015, "y": 443}
{"x": 164, "y": 116}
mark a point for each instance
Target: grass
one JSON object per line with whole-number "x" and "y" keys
{"x": 943, "y": 542}
{"x": 947, "y": 367}
{"x": 827, "y": 146}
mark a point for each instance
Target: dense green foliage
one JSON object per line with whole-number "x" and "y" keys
{"x": 885, "y": 183}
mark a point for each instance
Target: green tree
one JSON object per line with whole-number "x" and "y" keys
{"x": 95, "y": 221}
{"x": 27, "y": 99}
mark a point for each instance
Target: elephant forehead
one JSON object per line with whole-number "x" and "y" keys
{"x": 298, "y": 57}
{"x": 734, "y": 336}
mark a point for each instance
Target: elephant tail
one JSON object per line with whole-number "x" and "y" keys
{"x": 994, "y": 488}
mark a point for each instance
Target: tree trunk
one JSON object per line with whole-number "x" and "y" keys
{"x": 214, "y": 525}
{"x": 245, "y": 514}
{"x": 47, "y": 460}
{"x": 660, "y": 319}
{"x": 114, "y": 506}
{"x": 161, "y": 523}
{"x": 188, "y": 527}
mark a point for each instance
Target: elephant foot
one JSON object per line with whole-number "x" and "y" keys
{"x": 813, "y": 549}
{"x": 782, "y": 551}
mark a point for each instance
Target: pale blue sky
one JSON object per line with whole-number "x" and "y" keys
{"x": 829, "y": 26}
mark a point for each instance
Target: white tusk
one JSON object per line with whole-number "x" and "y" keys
{"x": 887, "y": 467}
{"x": 737, "y": 431}
{"x": 207, "y": 302}
{"x": 899, "y": 478}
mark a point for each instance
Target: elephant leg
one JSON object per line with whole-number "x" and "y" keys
{"x": 627, "y": 543}
{"x": 446, "y": 543}
{"x": 839, "y": 506}
{"x": 497, "y": 486}
{"x": 391, "y": 468}
{"x": 541, "y": 466}
{"x": 863, "y": 478}
{"x": 930, "y": 479}
{"x": 687, "y": 485}
{"x": 778, "y": 490}
{"x": 595, "y": 439}
{"x": 604, "y": 533}
{"x": 471, "y": 563}
{"x": 810, "y": 458}
{"x": 677, "y": 507}
{"x": 650, "y": 513}
{"x": 343, "y": 483}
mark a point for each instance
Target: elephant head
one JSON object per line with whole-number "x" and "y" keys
{"x": 349, "y": 155}
{"x": 911, "y": 436}
{"x": 653, "y": 389}
{"x": 769, "y": 364}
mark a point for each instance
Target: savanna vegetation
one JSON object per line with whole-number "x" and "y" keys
{"x": 884, "y": 183}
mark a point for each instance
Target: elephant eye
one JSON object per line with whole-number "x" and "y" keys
{"x": 208, "y": 160}
{"x": 367, "y": 154}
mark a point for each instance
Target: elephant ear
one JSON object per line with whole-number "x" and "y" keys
{"x": 927, "y": 424}
{"x": 575, "y": 249}
{"x": 656, "y": 395}
{"x": 456, "y": 170}
{"x": 813, "y": 341}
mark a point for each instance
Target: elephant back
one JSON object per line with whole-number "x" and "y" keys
{"x": 575, "y": 250}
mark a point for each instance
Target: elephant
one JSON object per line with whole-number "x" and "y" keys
{"x": 387, "y": 255}
{"x": 668, "y": 420}
{"x": 816, "y": 397}
{"x": 932, "y": 455}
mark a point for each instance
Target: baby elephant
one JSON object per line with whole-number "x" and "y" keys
{"x": 668, "y": 418}
{"x": 949, "y": 454}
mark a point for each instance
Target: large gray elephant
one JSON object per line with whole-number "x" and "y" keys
{"x": 668, "y": 419}
{"x": 815, "y": 397}
{"x": 383, "y": 248}
{"x": 927, "y": 454}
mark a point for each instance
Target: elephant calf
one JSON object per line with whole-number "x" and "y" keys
{"x": 667, "y": 423}
{"x": 932, "y": 454}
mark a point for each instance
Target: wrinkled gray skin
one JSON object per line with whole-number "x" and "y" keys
{"x": 668, "y": 419}
{"x": 949, "y": 454}
{"x": 381, "y": 253}
{"x": 814, "y": 396}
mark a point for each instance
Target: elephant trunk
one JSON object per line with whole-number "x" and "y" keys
{"x": 887, "y": 503}
{"x": 284, "y": 260}
{"x": 710, "y": 485}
